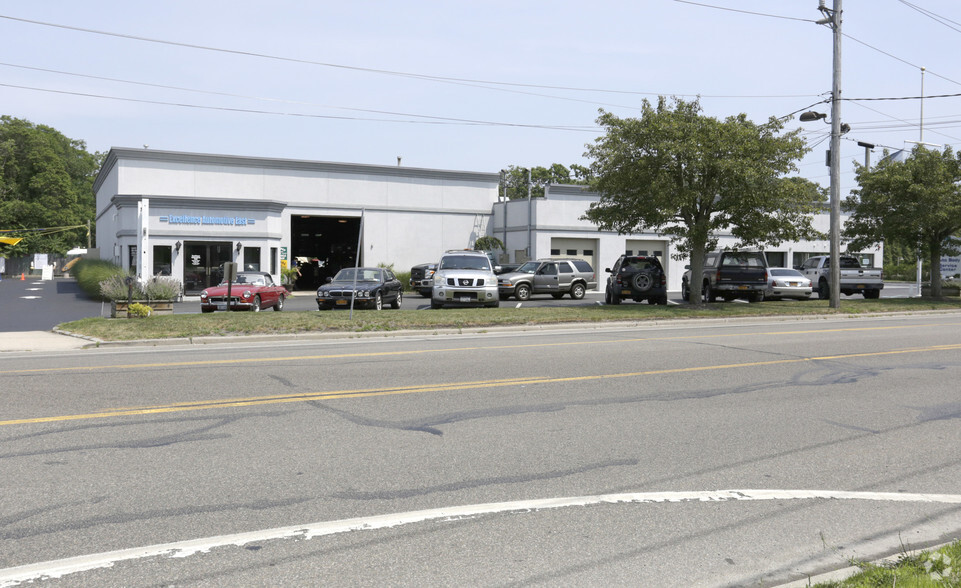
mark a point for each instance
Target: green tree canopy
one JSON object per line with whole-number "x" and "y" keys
{"x": 915, "y": 202}
{"x": 46, "y": 182}
{"x": 688, "y": 176}
{"x": 515, "y": 179}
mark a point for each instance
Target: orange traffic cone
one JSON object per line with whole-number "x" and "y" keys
{"x": 22, "y": 278}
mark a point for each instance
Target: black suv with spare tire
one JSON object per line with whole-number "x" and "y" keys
{"x": 638, "y": 277}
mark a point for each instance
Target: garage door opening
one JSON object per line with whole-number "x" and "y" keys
{"x": 322, "y": 246}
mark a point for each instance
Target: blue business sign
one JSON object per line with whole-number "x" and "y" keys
{"x": 188, "y": 219}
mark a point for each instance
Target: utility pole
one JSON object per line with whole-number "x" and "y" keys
{"x": 832, "y": 18}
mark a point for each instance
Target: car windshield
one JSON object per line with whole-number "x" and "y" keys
{"x": 249, "y": 279}
{"x": 785, "y": 272}
{"x": 528, "y": 267}
{"x": 465, "y": 262}
{"x": 362, "y": 275}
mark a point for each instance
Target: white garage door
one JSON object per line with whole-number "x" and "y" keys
{"x": 585, "y": 249}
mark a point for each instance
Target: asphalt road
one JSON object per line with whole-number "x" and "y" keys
{"x": 37, "y": 305}
{"x": 710, "y": 454}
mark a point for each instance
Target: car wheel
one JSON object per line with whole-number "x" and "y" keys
{"x": 557, "y": 296}
{"x": 522, "y": 292}
{"x": 756, "y": 297}
{"x": 495, "y": 304}
{"x": 255, "y": 307}
{"x": 662, "y": 300}
{"x": 397, "y": 301}
{"x": 436, "y": 305}
{"x": 378, "y": 302}
{"x": 642, "y": 282}
{"x": 322, "y": 307}
{"x": 206, "y": 310}
{"x": 685, "y": 292}
{"x": 577, "y": 291}
{"x": 425, "y": 293}
{"x": 280, "y": 303}
{"x": 872, "y": 294}
{"x": 823, "y": 291}
{"x": 708, "y": 293}
{"x": 615, "y": 298}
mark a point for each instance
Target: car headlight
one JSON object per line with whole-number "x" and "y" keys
{"x": 247, "y": 293}
{"x": 203, "y": 295}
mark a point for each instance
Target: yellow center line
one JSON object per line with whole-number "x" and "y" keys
{"x": 262, "y": 360}
{"x": 475, "y": 385}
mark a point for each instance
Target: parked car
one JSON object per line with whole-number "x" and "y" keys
{"x": 784, "y": 282}
{"x": 556, "y": 277}
{"x": 422, "y": 278}
{"x": 854, "y": 278}
{"x": 464, "y": 278}
{"x": 250, "y": 291}
{"x": 638, "y": 277}
{"x": 369, "y": 287}
{"x": 730, "y": 275}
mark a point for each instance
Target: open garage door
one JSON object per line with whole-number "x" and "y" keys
{"x": 585, "y": 249}
{"x": 322, "y": 246}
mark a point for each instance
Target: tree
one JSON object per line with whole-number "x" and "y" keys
{"x": 488, "y": 243}
{"x": 46, "y": 182}
{"x": 515, "y": 179}
{"x": 912, "y": 203}
{"x": 688, "y": 176}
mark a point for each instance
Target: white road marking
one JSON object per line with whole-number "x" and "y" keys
{"x": 31, "y": 297}
{"x": 71, "y": 565}
{"x": 33, "y": 289}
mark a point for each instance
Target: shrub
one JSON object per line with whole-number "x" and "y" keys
{"x": 161, "y": 288}
{"x": 115, "y": 288}
{"x": 137, "y": 310}
{"x": 404, "y": 278}
{"x": 90, "y": 272}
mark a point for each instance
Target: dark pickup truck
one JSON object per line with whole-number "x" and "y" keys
{"x": 730, "y": 275}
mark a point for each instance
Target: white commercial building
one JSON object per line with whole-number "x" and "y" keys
{"x": 185, "y": 214}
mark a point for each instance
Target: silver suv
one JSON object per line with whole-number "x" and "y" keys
{"x": 464, "y": 278}
{"x": 556, "y": 277}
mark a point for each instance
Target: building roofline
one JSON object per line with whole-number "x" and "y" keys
{"x": 118, "y": 153}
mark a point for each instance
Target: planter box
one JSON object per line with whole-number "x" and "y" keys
{"x": 119, "y": 307}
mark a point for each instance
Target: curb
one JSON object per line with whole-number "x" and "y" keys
{"x": 428, "y": 331}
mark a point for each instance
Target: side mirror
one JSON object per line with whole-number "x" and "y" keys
{"x": 330, "y": 279}
{"x": 607, "y": 269}
{"x": 497, "y": 268}
{"x": 687, "y": 266}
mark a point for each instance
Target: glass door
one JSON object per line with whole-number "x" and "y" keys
{"x": 204, "y": 264}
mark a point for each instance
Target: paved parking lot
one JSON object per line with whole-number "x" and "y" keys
{"x": 37, "y": 305}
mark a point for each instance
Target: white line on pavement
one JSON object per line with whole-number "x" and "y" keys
{"x": 71, "y": 565}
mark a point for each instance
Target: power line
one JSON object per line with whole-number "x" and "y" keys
{"x": 743, "y": 11}
{"x": 412, "y": 75}
{"x": 935, "y": 17}
{"x": 448, "y": 121}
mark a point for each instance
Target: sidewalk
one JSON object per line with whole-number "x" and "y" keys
{"x": 39, "y": 341}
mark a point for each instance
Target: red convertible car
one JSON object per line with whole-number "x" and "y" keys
{"x": 251, "y": 291}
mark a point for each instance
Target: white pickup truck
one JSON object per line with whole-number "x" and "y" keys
{"x": 854, "y": 278}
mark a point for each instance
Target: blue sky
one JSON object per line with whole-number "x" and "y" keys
{"x": 468, "y": 86}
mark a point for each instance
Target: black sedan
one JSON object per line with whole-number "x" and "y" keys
{"x": 370, "y": 287}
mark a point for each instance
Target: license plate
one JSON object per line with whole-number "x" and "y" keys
{"x": 221, "y": 306}
{"x": 792, "y": 284}
{"x": 341, "y": 303}
{"x": 742, "y": 287}
{"x": 626, "y": 292}
{"x": 465, "y": 299}
{"x": 860, "y": 285}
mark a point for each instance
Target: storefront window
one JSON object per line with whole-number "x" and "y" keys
{"x": 273, "y": 260}
{"x": 252, "y": 259}
{"x": 161, "y": 260}
{"x": 133, "y": 258}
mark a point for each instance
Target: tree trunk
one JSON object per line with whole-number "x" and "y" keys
{"x": 698, "y": 249}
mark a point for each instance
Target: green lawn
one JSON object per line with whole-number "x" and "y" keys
{"x": 245, "y": 323}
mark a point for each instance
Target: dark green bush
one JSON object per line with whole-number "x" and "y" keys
{"x": 90, "y": 272}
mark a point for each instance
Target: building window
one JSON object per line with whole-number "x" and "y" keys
{"x": 555, "y": 251}
{"x": 273, "y": 261}
{"x": 133, "y": 258}
{"x": 162, "y": 254}
{"x": 572, "y": 251}
{"x": 629, "y": 252}
{"x": 251, "y": 259}
{"x": 588, "y": 252}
